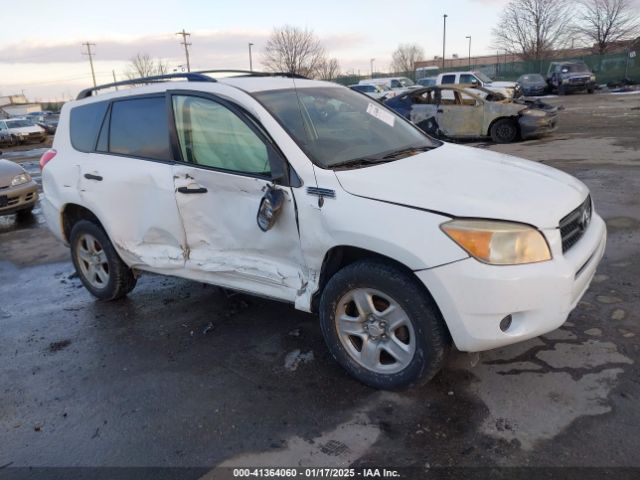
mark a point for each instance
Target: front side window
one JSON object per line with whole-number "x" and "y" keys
{"x": 448, "y": 79}
{"x": 3, "y": 126}
{"x": 466, "y": 78}
{"x": 334, "y": 125}
{"x": 213, "y": 136}
{"x": 139, "y": 128}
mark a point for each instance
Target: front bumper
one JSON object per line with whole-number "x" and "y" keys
{"x": 474, "y": 297}
{"x": 532, "y": 127}
{"x": 18, "y": 198}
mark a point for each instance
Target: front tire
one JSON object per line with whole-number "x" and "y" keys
{"x": 381, "y": 326}
{"x": 504, "y": 130}
{"x": 98, "y": 265}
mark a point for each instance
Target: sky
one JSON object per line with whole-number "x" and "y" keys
{"x": 41, "y": 51}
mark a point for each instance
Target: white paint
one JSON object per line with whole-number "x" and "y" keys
{"x": 393, "y": 209}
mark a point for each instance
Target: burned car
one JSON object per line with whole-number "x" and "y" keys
{"x": 458, "y": 112}
{"x": 570, "y": 76}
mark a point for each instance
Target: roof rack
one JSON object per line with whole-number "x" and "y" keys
{"x": 253, "y": 73}
{"x": 199, "y": 76}
{"x": 191, "y": 77}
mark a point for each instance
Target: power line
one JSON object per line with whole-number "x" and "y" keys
{"x": 90, "y": 54}
{"x": 186, "y": 46}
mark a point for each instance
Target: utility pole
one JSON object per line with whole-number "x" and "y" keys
{"x": 444, "y": 37}
{"x": 114, "y": 78}
{"x": 469, "y": 37}
{"x": 90, "y": 54}
{"x": 250, "y": 60}
{"x": 372, "y": 60}
{"x": 186, "y": 46}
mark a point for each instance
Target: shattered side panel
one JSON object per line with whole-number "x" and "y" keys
{"x": 225, "y": 244}
{"x": 136, "y": 204}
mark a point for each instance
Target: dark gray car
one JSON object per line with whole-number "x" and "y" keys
{"x": 570, "y": 76}
{"x": 531, "y": 84}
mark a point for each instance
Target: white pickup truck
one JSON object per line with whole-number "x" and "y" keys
{"x": 477, "y": 79}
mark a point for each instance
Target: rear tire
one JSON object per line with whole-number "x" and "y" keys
{"x": 504, "y": 130}
{"x": 381, "y": 326}
{"x": 98, "y": 265}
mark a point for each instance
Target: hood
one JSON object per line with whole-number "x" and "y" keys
{"x": 30, "y": 129}
{"x": 471, "y": 182}
{"x": 503, "y": 84}
{"x": 8, "y": 170}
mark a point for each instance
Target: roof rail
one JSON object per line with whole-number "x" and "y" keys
{"x": 191, "y": 77}
{"x": 253, "y": 73}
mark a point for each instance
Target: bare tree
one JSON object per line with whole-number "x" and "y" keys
{"x": 328, "y": 69}
{"x": 293, "y": 50}
{"x": 531, "y": 28}
{"x": 142, "y": 65}
{"x": 405, "y": 57}
{"x": 604, "y": 22}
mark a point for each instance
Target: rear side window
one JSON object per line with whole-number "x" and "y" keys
{"x": 448, "y": 79}
{"x": 86, "y": 121}
{"x": 139, "y": 128}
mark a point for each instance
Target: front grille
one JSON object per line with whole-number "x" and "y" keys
{"x": 573, "y": 226}
{"x": 579, "y": 80}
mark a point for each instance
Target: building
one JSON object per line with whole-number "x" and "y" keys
{"x": 16, "y": 106}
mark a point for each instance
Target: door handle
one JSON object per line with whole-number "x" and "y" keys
{"x": 192, "y": 190}
{"x": 90, "y": 176}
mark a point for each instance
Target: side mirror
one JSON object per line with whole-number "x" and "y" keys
{"x": 270, "y": 208}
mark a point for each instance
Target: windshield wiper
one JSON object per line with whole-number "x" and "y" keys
{"x": 359, "y": 162}
{"x": 406, "y": 152}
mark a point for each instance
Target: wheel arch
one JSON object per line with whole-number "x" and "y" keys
{"x": 73, "y": 213}
{"x": 338, "y": 257}
{"x": 513, "y": 118}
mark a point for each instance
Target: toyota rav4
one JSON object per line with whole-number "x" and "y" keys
{"x": 308, "y": 192}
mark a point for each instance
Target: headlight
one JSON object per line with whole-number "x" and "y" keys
{"x": 535, "y": 113}
{"x": 20, "y": 179}
{"x": 498, "y": 243}
{"x": 592, "y": 78}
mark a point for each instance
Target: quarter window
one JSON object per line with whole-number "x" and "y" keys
{"x": 139, "y": 128}
{"x": 85, "y": 122}
{"x": 211, "y": 135}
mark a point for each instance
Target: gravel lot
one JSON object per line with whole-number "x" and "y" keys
{"x": 183, "y": 374}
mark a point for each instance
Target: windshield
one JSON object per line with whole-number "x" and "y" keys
{"x": 406, "y": 82}
{"x": 482, "y": 77}
{"x": 364, "y": 88}
{"x": 19, "y": 123}
{"x": 575, "y": 67}
{"x": 334, "y": 125}
{"x": 532, "y": 78}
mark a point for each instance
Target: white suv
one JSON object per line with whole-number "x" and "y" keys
{"x": 308, "y": 192}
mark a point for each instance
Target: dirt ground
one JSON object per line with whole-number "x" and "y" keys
{"x": 182, "y": 374}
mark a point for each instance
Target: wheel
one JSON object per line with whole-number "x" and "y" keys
{"x": 97, "y": 263}
{"x": 590, "y": 90}
{"x": 381, "y": 326}
{"x": 504, "y": 130}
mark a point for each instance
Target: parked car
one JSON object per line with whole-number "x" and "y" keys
{"x": 427, "y": 81}
{"x": 401, "y": 243}
{"x": 476, "y": 79}
{"x": 6, "y": 138}
{"x": 23, "y": 130}
{"x": 570, "y": 76}
{"x": 49, "y": 123}
{"x": 18, "y": 191}
{"x": 395, "y": 84}
{"x": 460, "y": 112}
{"x": 379, "y": 92}
{"x": 531, "y": 84}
